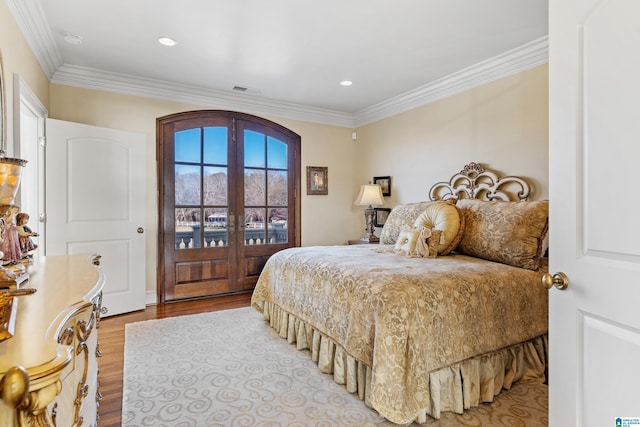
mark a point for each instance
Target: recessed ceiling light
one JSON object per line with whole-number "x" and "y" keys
{"x": 72, "y": 38}
{"x": 167, "y": 41}
{"x": 346, "y": 83}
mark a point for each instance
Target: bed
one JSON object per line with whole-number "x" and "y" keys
{"x": 443, "y": 315}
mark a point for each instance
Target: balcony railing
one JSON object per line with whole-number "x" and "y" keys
{"x": 188, "y": 237}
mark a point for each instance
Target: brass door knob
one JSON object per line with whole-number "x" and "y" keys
{"x": 559, "y": 280}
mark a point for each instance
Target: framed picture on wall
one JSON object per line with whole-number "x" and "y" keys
{"x": 380, "y": 216}
{"x": 317, "y": 180}
{"x": 385, "y": 184}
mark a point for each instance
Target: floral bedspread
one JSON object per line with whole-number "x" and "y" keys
{"x": 405, "y": 317}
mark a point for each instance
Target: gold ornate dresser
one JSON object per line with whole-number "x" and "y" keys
{"x": 49, "y": 368}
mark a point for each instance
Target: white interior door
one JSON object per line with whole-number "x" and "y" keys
{"x": 29, "y": 132}
{"x": 594, "y": 338}
{"x": 96, "y": 204}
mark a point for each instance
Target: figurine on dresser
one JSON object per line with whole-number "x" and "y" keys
{"x": 25, "y": 234}
{"x": 10, "y": 245}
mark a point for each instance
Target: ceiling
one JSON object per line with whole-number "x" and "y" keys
{"x": 290, "y": 55}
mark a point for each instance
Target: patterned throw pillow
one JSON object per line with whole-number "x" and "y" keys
{"x": 506, "y": 232}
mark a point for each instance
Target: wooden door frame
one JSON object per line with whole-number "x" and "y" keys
{"x": 160, "y": 160}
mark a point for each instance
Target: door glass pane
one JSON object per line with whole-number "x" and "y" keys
{"x": 277, "y": 188}
{"x": 266, "y": 188}
{"x": 254, "y": 226}
{"x": 254, "y": 187}
{"x": 201, "y": 221}
{"x": 277, "y": 230}
{"x": 187, "y": 185}
{"x": 276, "y": 154}
{"x": 215, "y": 229}
{"x": 187, "y": 228}
{"x": 187, "y": 145}
{"x": 254, "y": 153}
{"x": 215, "y": 145}
{"x": 215, "y": 186}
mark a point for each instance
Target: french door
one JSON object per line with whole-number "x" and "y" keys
{"x": 229, "y": 198}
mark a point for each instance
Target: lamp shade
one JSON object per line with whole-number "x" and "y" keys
{"x": 370, "y": 195}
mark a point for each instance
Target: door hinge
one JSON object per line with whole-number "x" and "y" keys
{"x": 42, "y": 141}
{"x": 42, "y": 217}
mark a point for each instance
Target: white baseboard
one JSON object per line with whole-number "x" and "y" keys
{"x": 150, "y": 298}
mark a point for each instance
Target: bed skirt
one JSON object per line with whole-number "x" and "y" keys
{"x": 452, "y": 389}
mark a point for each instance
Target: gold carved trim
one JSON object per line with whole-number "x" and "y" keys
{"x": 33, "y": 411}
{"x": 14, "y": 386}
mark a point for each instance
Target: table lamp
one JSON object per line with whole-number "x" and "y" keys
{"x": 371, "y": 195}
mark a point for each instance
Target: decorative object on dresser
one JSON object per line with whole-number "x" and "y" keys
{"x": 317, "y": 180}
{"x": 56, "y": 345}
{"x": 12, "y": 273}
{"x": 25, "y": 234}
{"x": 371, "y": 195}
{"x": 385, "y": 184}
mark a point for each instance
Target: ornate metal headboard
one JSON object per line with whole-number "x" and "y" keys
{"x": 475, "y": 182}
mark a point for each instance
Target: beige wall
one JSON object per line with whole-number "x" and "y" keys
{"x": 502, "y": 124}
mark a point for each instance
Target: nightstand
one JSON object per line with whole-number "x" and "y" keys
{"x": 362, "y": 242}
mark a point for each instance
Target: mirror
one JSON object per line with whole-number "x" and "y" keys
{"x": 2, "y": 109}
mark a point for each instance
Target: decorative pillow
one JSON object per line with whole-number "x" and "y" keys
{"x": 407, "y": 241}
{"x": 446, "y": 217}
{"x": 412, "y": 242}
{"x": 506, "y": 232}
{"x": 402, "y": 216}
{"x": 433, "y": 242}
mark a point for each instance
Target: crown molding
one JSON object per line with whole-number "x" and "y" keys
{"x": 522, "y": 58}
{"x": 32, "y": 22}
{"x": 514, "y": 61}
{"x": 90, "y": 78}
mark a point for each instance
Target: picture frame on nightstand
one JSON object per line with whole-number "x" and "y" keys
{"x": 380, "y": 216}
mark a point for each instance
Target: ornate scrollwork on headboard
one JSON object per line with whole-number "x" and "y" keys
{"x": 475, "y": 182}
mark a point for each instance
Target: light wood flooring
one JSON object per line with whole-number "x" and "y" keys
{"x": 111, "y": 336}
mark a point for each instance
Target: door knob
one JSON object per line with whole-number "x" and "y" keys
{"x": 140, "y": 230}
{"x": 559, "y": 280}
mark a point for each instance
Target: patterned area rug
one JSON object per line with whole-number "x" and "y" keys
{"x": 229, "y": 368}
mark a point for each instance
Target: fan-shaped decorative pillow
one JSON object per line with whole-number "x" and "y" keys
{"x": 446, "y": 217}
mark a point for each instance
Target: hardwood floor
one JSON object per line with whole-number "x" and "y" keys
{"x": 111, "y": 336}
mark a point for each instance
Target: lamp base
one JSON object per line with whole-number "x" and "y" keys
{"x": 370, "y": 238}
{"x": 369, "y": 235}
